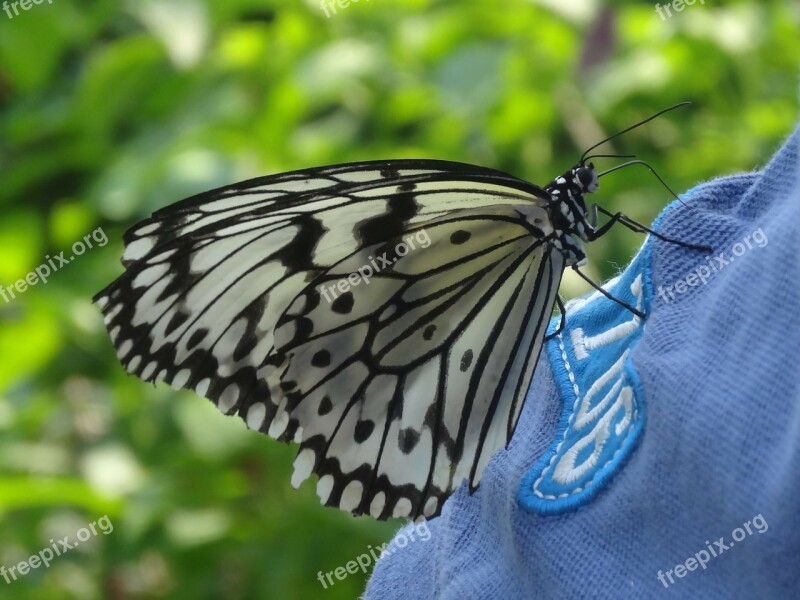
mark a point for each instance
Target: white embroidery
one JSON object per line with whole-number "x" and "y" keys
{"x": 583, "y": 345}
{"x": 618, "y": 398}
{"x": 585, "y": 416}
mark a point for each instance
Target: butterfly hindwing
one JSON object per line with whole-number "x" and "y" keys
{"x": 416, "y": 378}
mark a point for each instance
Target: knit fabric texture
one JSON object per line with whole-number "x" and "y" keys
{"x": 716, "y": 470}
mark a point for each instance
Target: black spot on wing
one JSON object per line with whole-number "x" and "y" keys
{"x": 253, "y": 314}
{"x": 312, "y": 300}
{"x": 393, "y": 223}
{"x": 297, "y": 254}
{"x": 325, "y": 406}
{"x": 305, "y": 327}
{"x": 181, "y": 276}
{"x": 275, "y": 359}
{"x": 408, "y": 439}
{"x": 460, "y": 236}
{"x": 343, "y": 304}
{"x": 466, "y": 360}
{"x": 178, "y": 319}
{"x": 390, "y": 173}
{"x": 198, "y": 335}
{"x": 321, "y": 358}
{"x": 363, "y": 430}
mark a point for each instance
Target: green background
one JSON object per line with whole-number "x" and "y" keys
{"x": 111, "y": 110}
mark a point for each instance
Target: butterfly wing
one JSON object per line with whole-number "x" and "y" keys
{"x": 408, "y": 382}
{"x": 221, "y": 293}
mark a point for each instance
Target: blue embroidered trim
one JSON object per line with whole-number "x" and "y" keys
{"x": 604, "y": 413}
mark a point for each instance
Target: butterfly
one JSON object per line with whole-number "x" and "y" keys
{"x": 386, "y": 316}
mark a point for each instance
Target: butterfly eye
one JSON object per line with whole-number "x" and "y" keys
{"x": 584, "y": 176}
{"x": 587, "y": 178}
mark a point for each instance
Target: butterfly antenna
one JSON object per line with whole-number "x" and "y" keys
{"x": 609, "y": 156}
{"x": 651, "y": 169}
{"x": 634, "y": 126}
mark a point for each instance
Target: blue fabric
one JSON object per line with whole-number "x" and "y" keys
{"x": 719, "y": 456}
{"x": 603, "y": 401}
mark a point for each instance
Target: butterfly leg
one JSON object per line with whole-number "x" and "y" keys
{"x": 625, "y": 220}
{"x": 608, "y": 295}
{"x": 561, "y": 322}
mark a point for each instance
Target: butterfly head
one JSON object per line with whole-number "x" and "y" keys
{"x": 585, "y": 177}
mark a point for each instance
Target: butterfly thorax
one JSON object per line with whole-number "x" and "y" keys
{"x": 568, "y": 208}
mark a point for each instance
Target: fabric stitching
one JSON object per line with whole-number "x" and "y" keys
{"x": 626, "y": 433}
{"x": 575, "y": 404}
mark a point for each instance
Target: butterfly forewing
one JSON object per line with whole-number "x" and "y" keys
{"x": 399, "y": 388}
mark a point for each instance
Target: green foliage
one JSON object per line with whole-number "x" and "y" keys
{"x": 109, "y": 111}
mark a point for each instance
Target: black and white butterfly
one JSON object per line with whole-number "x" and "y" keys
{"x": 398, "y": 382}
